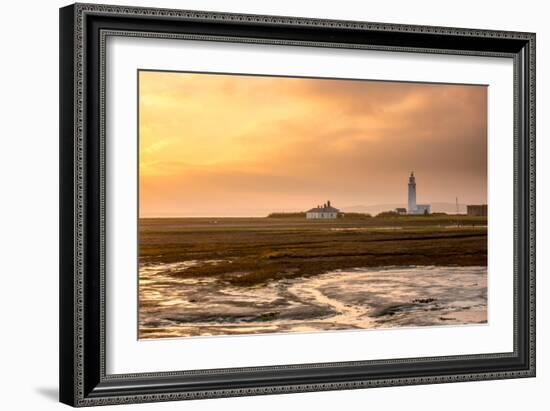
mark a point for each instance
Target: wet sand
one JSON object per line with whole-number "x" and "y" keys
{"x": 359, "y": 298}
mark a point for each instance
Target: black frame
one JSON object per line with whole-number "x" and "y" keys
{"x": 83, "y": 30}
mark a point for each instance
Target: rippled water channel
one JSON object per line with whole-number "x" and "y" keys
{"x": 338, "y": 300}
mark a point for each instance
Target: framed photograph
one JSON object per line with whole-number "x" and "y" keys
{"x": 261, "y": 204}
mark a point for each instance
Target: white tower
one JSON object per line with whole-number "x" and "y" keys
{"x": 412, "y": 194}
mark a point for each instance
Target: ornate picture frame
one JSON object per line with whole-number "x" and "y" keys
{"x": 84, "y": 30}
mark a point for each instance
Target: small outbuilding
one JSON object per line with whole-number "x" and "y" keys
{"x": 478, "y": 210}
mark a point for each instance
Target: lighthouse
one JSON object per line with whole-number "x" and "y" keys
{"x": 412, "y": 194}
{"x": 416, "y": 209}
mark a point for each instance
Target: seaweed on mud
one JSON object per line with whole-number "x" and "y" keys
{"x": 389, "y": 310}
{"x": 424, "y": 300}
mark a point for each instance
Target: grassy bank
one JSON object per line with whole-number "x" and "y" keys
{"x": 249, "y": 251}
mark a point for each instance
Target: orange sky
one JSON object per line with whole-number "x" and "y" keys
{"x": 230, "y": 145}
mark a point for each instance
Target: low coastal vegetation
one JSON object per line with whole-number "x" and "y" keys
{"x": 252, "y": 251}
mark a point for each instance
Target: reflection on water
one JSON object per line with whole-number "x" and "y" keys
{"x": 338, "y": 300}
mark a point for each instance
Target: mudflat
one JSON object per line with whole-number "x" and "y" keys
{"x": 252, "y": 251}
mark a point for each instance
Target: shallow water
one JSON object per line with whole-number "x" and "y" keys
{"x": 338, "y": 300}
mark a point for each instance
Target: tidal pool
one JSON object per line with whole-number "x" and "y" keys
{"x": 359, "y": 298}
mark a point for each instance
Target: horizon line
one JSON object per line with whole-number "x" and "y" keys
{"x": 267, "y": 216}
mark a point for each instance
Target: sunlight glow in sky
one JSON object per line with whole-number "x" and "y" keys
{"x": 236, "y": 145}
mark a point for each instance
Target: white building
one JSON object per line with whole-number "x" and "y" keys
{"x": 324, "y": 211}
{"x": 413, "y": 208}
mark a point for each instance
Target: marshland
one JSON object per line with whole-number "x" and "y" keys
{"x": 220, "y": 276}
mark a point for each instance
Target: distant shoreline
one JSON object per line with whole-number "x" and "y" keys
{"x": 347, "y": 215}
